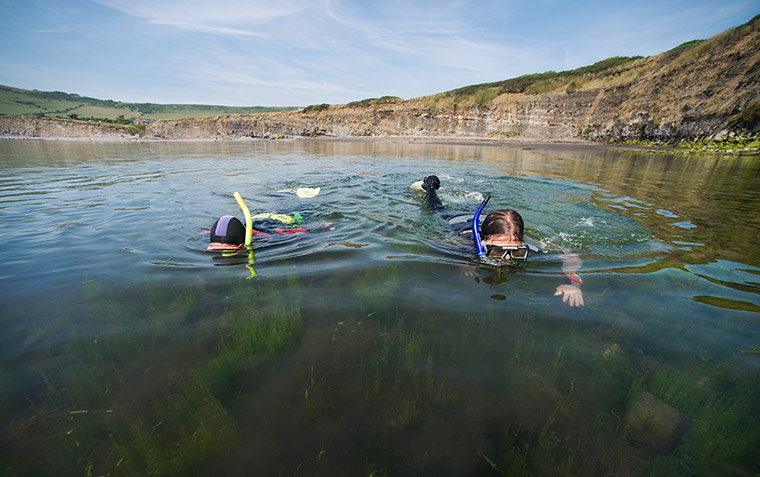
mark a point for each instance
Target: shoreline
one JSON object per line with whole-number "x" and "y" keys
{"x": 550, "y": 143}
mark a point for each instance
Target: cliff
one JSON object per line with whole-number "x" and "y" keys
{"x": 37, "y": 126}
{"x": 699, "y": 89}
{"x": 703, "y": 88}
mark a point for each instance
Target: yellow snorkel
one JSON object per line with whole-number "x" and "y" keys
{"x": 248, "y": 224}
{"x": 248, "y": 234}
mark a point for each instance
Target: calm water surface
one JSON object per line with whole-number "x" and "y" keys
{"x": 371, "y": 349}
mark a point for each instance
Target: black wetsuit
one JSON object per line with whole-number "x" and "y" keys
{"x": 461, "y": 223}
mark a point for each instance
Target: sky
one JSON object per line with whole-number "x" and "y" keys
{"x": 302, "y": 52}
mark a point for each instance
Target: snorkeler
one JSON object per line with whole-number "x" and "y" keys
{"x": 501, "y": 237}
{"x": 228, "y": 233}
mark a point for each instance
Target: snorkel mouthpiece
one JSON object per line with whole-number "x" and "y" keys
{"x": 476, "y": 228}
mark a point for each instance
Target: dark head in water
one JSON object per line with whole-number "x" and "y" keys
{"x": 431, "y": 184}
{"x": 227, "y": 232}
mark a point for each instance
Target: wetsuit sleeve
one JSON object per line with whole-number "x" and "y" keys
{"x": 461, "y": 224}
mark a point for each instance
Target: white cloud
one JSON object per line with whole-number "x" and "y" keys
{"x": 220, "y": 30}
{"x": 439, "y": 40}
{"x": 225, "y": 17}
{"x": 262, "y": 80}
{"x": 54, "y": 30}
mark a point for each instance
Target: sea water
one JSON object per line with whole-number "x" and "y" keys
{"x": 375, "y": 344}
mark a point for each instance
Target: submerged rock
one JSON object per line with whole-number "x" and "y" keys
{"x": 653, "y": 424}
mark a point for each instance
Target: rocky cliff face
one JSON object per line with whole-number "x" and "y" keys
{"x": 34, "y": 126}
{"x": 544, "y": 116}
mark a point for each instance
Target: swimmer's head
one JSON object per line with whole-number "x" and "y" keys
{"x": 504, "y": 226}
{"x": 228, "y": 230}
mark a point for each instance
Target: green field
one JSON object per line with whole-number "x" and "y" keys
{"x": 15, "y": 101}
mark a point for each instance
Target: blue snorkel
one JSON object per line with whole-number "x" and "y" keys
{"x": 476, "y": 228}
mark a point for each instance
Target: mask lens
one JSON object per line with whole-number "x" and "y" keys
{"x": 513, "y": 253}
{"x": 519, "y": 254}
{"x": 497, "y": 252}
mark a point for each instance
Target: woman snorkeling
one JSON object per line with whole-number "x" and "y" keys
{"x": 500, "y": 237}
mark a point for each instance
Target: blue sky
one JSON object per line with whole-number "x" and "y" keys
{"x": 301, "y": 52}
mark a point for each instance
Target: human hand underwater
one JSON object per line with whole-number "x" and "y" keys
{"x": 468, "y": 271}
{"x": 571, "y": 294}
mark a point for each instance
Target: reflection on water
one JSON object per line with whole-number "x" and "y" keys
{"x": 125, "y": 348}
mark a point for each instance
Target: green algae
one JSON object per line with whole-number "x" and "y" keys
{"x": 175, "y": 428}
{"x": 725, "y": 427}
{"x": 557, "y": 381}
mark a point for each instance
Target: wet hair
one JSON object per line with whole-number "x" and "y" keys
{"x": 227, "y": 229}
{"x": 504, "y": 221}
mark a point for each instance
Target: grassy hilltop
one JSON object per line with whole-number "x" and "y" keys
{"x": 16, "y": 101}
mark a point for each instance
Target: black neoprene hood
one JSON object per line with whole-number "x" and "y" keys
{"x": 227, "y": 229}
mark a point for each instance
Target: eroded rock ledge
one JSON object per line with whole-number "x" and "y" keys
{"x": 36, "y": 126}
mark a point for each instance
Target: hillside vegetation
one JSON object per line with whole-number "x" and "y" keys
{"x": 15, "y": 101}
{"x": 550, "y": 81}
